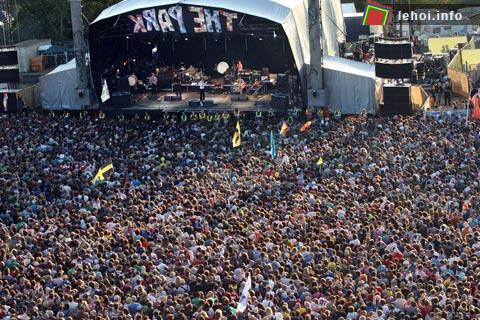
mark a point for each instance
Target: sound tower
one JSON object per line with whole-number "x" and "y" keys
{"x": 393, "y": 60}
{"x": 9, "y": 79}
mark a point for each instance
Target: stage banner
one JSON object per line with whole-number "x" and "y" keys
{"x": 460, "y": 81}
{"x": 184, "y": 20}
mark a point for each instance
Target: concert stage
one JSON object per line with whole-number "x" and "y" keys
{"x": 221, "y": 103}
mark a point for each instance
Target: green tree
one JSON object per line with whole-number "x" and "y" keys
{"x": 51, "y": 18}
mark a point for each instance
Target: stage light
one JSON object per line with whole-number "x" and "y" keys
{"x": 186, "y": 39}
{"x": 260, "y": 39}
{"x": 128, "y": 37}
{"x": 154, "y": 50}
{"x": 274, "y": 35}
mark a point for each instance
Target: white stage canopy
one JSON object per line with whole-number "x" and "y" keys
{"x": 291, "y": 14}
{"x": 351, "y": 85}
{"x": 57, "y": 88}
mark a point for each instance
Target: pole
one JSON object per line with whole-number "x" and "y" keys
{"x": 314, "y": 73}
{"x": 4, "y": 36}
{"x": 80, "y": 52}
{"x": 18, "y": 22}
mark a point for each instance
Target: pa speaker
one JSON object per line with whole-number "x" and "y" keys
{"x": 396, "y": 100}
{"x": 394, "y": 70}
{"x": 393, "y": 50}
{"x": 280, "y": 101}
{"x": 8, "y": 56}
{"x": 121, "y": 100}
{"x": 9, "y": 74}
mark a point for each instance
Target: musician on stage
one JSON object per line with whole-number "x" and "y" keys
{"x": 239, "y": 66}
{"x": 177, "y": 85}
{"x": 153, "y": 81}
{"x": 201, "y": 85}
{"x": 242, "y": 85}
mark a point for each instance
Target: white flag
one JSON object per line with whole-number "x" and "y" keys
{"x": 105, "y": 91}
{"x": 242, "y": 303}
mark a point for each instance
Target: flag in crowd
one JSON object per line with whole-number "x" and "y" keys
{"x": 105, "y": 92}
{"x": 273, "y": 148}
{"x": 237, "y": 137}
{"x": 101, "y": 173}
{"x": 284, "y": 130}
{"x": 476, "y": 107}
{"x": 5, "y": 102}
{"x": 242, "y": 303}
{"x": 306, "y": 126}
{"x": 320, "y": 161}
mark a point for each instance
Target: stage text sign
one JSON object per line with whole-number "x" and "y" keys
{"x": 184, "y": 19}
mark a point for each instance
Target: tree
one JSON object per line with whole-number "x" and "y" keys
{"x": 51, "y": 18}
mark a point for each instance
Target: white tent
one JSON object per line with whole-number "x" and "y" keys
{"x": 291, "y": 14}
{"x": 351, "y": 86}
{"x": 57, "y": 88}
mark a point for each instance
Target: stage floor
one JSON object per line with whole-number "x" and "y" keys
{"x": 222, "y": 103}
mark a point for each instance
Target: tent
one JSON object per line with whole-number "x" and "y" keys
{"x": 57, "y": 88}
{"x": 291, "y": 14}
{"x": 351, "y": 85}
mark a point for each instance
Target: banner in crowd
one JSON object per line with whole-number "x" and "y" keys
{"x": 184, "y": 19}
{"x": 242, "y": 303}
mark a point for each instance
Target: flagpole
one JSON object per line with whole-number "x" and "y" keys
{"x": 467, "y": 109}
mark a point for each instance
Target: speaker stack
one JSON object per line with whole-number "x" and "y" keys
{"x": 9, "y": 79}
{"x": 394, "y": 62}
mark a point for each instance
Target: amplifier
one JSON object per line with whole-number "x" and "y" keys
{"x": 280, "y": 101}
{"x": 121, "y": 100}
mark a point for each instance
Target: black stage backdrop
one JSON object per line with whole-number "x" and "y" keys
{"x": 206, "y": 37}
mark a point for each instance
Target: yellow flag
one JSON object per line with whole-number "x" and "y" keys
{"x": 284, "y": 130}
{"x": 306, "y": 126}
{"x": 237, "y": 137}
{"x": 101, "y": 172}
{"x": 320, "y": 161}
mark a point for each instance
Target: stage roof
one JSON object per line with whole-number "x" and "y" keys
{"x": 291, "y": 14}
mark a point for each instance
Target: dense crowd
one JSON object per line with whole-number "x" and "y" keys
{"x": 387, "y": 227}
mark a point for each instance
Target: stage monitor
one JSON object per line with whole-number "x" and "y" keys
{"x": 394, "y": 70}
{"x": 393, "y": 50}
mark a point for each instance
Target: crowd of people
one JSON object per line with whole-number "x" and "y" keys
{"x": 386, "y": 226}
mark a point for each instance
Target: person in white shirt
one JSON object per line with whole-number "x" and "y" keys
{"x": 201, "y": 85}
